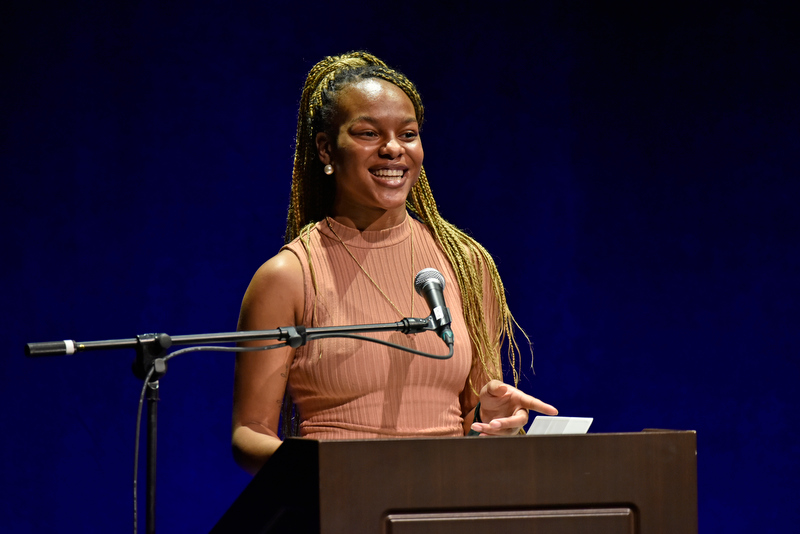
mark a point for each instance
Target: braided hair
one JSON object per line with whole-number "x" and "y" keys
{"x": 313, "y": 193}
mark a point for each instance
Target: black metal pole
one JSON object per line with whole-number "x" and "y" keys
{"x": 152, "y": 445}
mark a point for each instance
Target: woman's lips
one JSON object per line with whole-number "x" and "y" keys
{"x": 389, "y": 177}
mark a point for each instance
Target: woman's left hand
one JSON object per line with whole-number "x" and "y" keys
{"x": 504, "y": 409}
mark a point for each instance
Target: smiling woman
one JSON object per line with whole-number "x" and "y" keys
{"x": 351, "y": 255}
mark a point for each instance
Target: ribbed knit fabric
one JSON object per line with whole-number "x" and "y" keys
{"x": 352, "y": 389}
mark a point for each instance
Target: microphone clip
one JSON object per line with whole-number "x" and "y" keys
{"x": 440, "y": 317}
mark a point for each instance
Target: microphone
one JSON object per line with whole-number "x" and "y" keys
{"x": 429, "y": 283}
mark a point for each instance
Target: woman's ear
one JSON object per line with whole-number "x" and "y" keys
{"x": 324, "y": 148}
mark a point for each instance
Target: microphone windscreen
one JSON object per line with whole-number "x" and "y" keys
{"x": 426, "y": 275}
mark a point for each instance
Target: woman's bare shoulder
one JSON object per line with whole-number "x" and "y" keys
{"x": 284, "y": 267}
{"x": 276, "y": 285}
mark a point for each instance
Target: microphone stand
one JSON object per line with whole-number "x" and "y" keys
{"x": 150, "y": 364}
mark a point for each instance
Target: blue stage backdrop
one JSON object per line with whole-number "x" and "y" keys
{"x": 634, "y": 172}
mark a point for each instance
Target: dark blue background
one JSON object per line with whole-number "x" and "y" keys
{"x": 635, "y": 172}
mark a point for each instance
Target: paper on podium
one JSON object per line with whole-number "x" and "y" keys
{"x": 545, "y": 424}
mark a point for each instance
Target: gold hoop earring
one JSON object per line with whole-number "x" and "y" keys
{"x": 328, "y": 169}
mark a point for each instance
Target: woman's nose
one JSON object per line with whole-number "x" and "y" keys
{"x": 391, "y": 148}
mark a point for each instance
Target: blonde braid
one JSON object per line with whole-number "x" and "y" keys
{"x": 469, "y": 258}
{"x": 306, "y": 204}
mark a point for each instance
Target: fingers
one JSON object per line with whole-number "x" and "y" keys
{"x": 500, "y": 392}
{"x": 542, "y": 407}
{"x": 532, "y": 403}
{"x": 496, "y": 388}
{"x": 504, "y": 409}
{"x": 503, "y": 426}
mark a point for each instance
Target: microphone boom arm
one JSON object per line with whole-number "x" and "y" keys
{"x": 294, "y": 336}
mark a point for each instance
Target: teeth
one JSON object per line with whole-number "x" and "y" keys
{"x": 388, "y": 173}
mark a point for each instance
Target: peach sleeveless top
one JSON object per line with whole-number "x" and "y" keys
{"x": 353, "y": 389}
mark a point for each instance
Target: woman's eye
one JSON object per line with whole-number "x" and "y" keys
{"x": 409, "y": 135}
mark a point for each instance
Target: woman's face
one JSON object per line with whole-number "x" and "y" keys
{"x": 377, "y": 154}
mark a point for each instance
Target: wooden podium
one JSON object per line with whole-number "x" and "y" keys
{"x": 644, "y": 483}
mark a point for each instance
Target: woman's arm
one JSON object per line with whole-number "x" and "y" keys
{"x": 274, "y": 298}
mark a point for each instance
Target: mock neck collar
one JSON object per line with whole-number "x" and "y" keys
{"x": 353, "y": 237}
